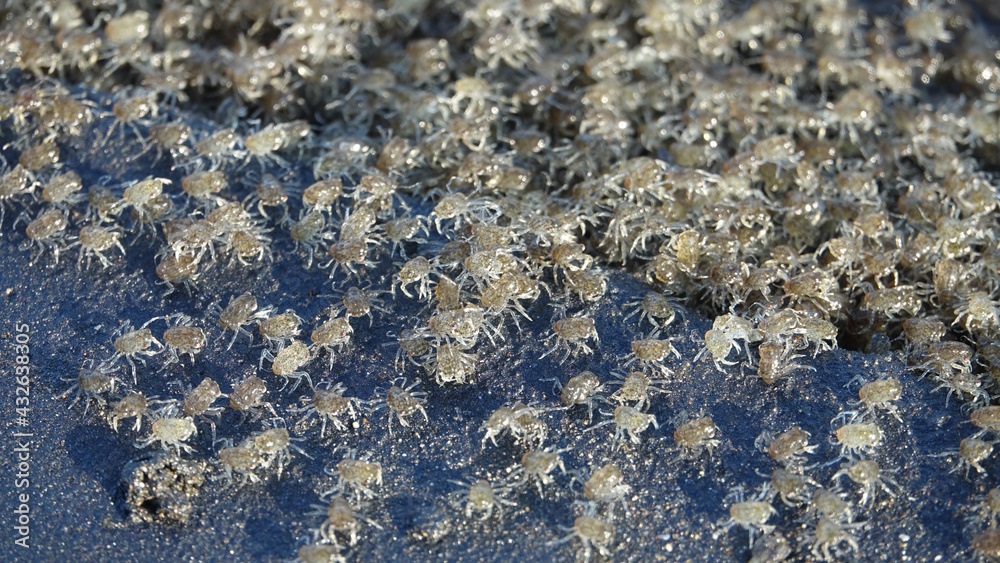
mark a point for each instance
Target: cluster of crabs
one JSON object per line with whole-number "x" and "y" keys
{"x": 811, "y": 174}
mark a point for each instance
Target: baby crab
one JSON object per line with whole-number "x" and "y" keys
{"x": 402, "y": 402}
{"x": 977, "y": 313}
{"x": 987, "y": 510}
{"x": 264, "y": 144}
{"x": 987, "y": 419}
{"x": 172, "y": 136}
{"x": 536, "y": 465}
{"x": 95, "y": 240}
{"x": 309, "y": 231}
{"x": 132, "y": 405}
{"x": 696, "y": 435}
{"x": 944, "y": 359}
{"x": 452, "y": 365}
{"x": 972, "y": 452}
{"x": 170, "y": 431}
{"x": 821, "y": 332}
{"x": 14, "y": 183}
{"x": 278, "y": 330}
{"x": 146, "y": 198}
{"x": 133, "y": 344}
{"x": 635, "y": 387}
{"x": 503, "y": 296}
{"x": 129, "y": 110}
{"x": 175, "y": 271}
{"x": 828, "y": 535}
{"x": 417, "y": 271}
{"x": 45, "y": 231}
{"x": 270, "y": 192}
{"x": 461, "y": 325}
{"x": 322, "y": 195}
{"x": 461, "y": 209}
{"x": 198, "y": 401}
{"x": 890, "y": 302}
{"x": 275, "y": 445}
{"x": 627, "y": 420}
{"x": 530, "y": 430}
{"x": 588, "y": 285}
{"x": 881, "y": 393}
{"x": 571, "y": 335}
{"x": 448, "y": 294}
{"x": 581, "y": 389}
{"x": 379, "y": 191}
{"x": 651, "y": 353}
{"x": 830, "y": 503}
{"x": 248, "y": 244}
{"x": 520, "y": 421}
{"x": 356, "y": 473}
{"x": 358, "y": 302}
{"x": 920, "y": 333}
{"x": 606, "y": 485}
{"x": 63, "y": 190}
{"x": 182, "y": 338}
{"x": 38, "y": 157}
{"x": 870, "y": 476}
{"x": 569, "y": 257}
{"x": 777, "y": 361}
{"x": 965, "y": 384}
{"x": 751, "y": 515}
{"x": 216, "y": 149}
{"x": 987, "y": 544}
{"x": 340, "y": 519}
{"x": 788, "y": 447}
{"x": 288, "y": 362}
{"x": 655, "y": 308}
{"x": 331, "y": 336}
{"x": 857, "y": 438}
{"x": 482, "y": 496}
{"x": 246, "y": 396}
{"x": 721, "y": 339}
{"x": 90, "y": 383}
{"x": 412, "y": 344}
{"x": 203, "y": 186}
{"x": 242, "y": 310}
{"x": 242, "y": 459}
{"x": 329, "y": 403}
{"x": 793, "y": 488}
{"x": 358, "y": 223}
{"x": 403, "y": 230}
{"x": 593, "y": 532}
